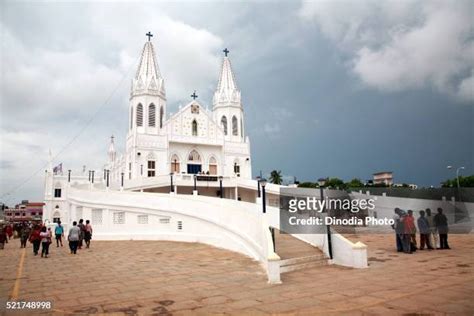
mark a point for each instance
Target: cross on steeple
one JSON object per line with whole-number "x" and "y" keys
{"x": 112, "y": 138}
{"x": 149, "y": 35}
{"x": 194, "y": 95}
{"x": 226, "y": 51}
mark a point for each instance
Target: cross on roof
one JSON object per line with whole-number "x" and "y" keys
{"x": 149, "y": 35}
{"x": 226, "y": 51}
{"x": 112, "y": 138}
{"x": 194, "y": 95}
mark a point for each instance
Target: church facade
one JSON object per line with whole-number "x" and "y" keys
{"x": 192, "y": 141}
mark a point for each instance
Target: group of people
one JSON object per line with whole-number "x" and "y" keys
{"x": 40, "y": 235}
{"x": 433, "y": 230}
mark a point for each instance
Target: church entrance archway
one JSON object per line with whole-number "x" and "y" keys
{"x": 194, "y": 162}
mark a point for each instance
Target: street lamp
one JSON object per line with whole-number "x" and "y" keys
{"x": 457, "y": 173}
{"x": 220, "y": 186}
{"x": 322, "y": 183}
{"x": 263, "y": 183}
{"x": 258, "y": 186}
{"x": 171, "y": 183}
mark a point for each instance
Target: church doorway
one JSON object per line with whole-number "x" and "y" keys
{"x": 194, "y": 162}
{"x": 56, "y": 217}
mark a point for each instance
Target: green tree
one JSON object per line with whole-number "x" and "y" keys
{"x": 275, "y": 177}
{"x": 464, "y": 182}
{"x": 355, "y": 183}
{"x": 308, "y": 185}
{"x": 335, "y": 183}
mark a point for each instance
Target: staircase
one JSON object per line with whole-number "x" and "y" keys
{"x": 296, "y": 254}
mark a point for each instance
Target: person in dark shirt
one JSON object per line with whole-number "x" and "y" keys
{"x": 441, "y": 222}
{"x": 398, "y": 227}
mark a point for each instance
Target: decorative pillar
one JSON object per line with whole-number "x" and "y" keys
{"x": 195, "y": 191}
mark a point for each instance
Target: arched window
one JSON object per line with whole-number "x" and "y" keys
{"x": 139, "y": 115}
{"x": 161, "y": 117}
{"x": 224, "y": 124}
{"x": 195, "y": 128}
{"x": 235, "y": 128}
{"x": 212, "y": 166}
{"x": 131, "y": 117}
{"x": 194, "y": 156}
{"x": 151, "y": 115}
{"x": 175, "y": 164}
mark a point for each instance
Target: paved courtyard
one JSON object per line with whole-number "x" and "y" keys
{"x": 172, "y": 278}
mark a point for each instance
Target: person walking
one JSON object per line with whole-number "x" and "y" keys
{"x": 45, "y": 241}
{"x": 73, "y": 237}
{"x": 441, "y": 222}
{"x": 9, "y": 231}
{"x": 59, "y": 233}
{"x": 3, "y": 236}
{"x": 424, "y": 228}
{"x": 35, "y": 239}
{"x": 24, "y": 234}
{"x": 82, "y": 230}
{"x": 88, "y": 233}
{"x": 434, "y": 240}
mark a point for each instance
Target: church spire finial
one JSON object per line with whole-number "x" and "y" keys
{"x": 148, "y": 78}
{"x": 194, "y": 95}
{"x": 227, "y": 91}
{"x": 149, "y": 35}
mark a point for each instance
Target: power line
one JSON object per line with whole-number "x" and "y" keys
{"x": 75, "y": 137}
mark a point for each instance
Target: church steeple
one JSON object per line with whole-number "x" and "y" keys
{"x": 227, "y": 92}
{"x": 111, "y": 152}
{"x": 148, "y": 78}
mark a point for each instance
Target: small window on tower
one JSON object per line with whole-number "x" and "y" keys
{"x": 235, "y": 128}
{"x": 139, "y": 115}
{"x": 151, "y": 168}
{"x": 152, "y": 115}
{"x": 161, "y": 116}
{"x": 224, "y": 124}
{"x": 57, "y": 193}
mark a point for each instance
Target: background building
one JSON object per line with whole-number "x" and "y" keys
{"x": 384, "y": 177}
{"x": 25, "y": 211}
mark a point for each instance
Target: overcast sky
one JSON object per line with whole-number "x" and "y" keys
{"x": 340, "y": 88}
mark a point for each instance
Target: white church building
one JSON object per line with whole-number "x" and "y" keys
{"x": 192, "y": 141}
{"x": 183, "y": 177}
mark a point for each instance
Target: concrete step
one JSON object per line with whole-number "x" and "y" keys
{"x": 291, "y": 261}
{"x": 302, "y": 266}
{"x": 304, "y": 263}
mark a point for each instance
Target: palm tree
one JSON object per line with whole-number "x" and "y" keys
{"x": 275, "y": 177}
